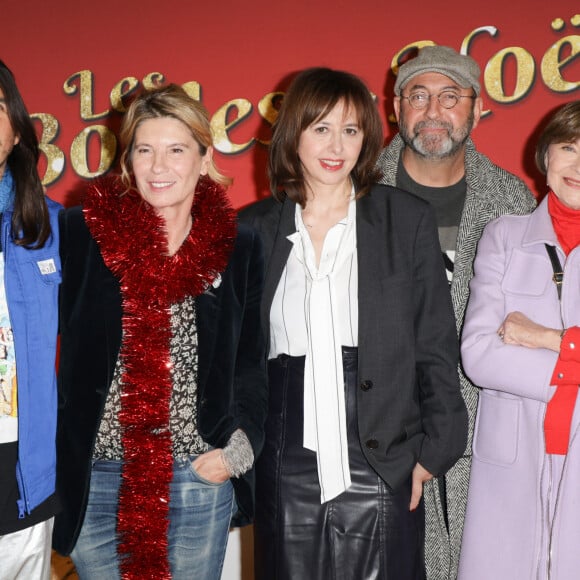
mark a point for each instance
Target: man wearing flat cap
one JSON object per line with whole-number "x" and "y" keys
{"x": 437, "y": 104}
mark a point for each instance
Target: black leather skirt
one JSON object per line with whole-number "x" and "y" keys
{"x": 365, "y": 533}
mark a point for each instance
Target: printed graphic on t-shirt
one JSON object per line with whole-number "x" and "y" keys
{"x": 8, "y": 386}
{"x": 449, "y": 261}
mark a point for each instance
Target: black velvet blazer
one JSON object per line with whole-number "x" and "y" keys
{"x": 232, "y": 387}
{"x": 409, "y": 404}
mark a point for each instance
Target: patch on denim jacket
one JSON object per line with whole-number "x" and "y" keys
{"x": 47, "y": 266}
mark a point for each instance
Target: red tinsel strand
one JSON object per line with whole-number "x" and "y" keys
{"x": 134, "y": 246}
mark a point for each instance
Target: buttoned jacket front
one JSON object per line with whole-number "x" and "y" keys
{"x": 491, "y": 192}
{"x": 506, "y": 511}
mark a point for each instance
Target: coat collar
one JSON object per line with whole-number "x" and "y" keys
{"x": 539, "y": 229}
{"x": 368, "y": 223}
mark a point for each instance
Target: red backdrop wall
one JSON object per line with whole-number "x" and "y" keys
{"x": 76, "y": 63}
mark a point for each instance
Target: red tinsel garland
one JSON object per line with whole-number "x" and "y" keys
{"x": 133, "y": 244}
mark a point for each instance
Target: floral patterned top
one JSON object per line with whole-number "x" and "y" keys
{"x": 183, "y": 407}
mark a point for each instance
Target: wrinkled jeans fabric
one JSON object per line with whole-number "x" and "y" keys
{"x": 199, "y": 519}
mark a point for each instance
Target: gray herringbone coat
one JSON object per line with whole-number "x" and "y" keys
{"x": 491, "y": 192}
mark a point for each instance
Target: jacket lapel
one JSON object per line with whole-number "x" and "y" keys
{"x": 206, "y": 310}
{"x": 278, "y": 248}
{"x": 371, "y": 257}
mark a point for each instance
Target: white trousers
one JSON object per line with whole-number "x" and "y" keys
{"x": 25, "y": 555}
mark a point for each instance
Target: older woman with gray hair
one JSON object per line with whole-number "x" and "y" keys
{"x": 520, "y": 343}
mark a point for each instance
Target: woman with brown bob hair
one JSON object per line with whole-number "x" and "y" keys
{"x": 162, "y": 378}
{"x": 312, "y": 97}
{"x": 362, "y": 351}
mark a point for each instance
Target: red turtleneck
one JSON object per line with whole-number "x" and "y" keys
{"x": 566, "y": 376}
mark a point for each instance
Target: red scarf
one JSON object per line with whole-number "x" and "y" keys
{"x": 558, "y": 419}
{"x": 566, "y": 223}
{"x": 133, "y": 244}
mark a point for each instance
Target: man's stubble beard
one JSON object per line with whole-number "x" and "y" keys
{"x": 435, "y": 147}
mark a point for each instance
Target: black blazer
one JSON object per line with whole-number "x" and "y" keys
{"x": 409, "y": 403}
{"x": 232, "y": 388}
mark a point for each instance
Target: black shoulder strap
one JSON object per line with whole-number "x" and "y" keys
{"x": 558, "y": 276}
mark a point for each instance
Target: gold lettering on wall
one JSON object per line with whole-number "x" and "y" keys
{"x": 153, "y": 80}
{"x": 508, "y": 76}
{"x": 79, "y": 151}
{"x": 193, "y": 89}
{"x": 494, "y": 78}
{"x": 54, "y": 156}
{"x": 553, "y": 62}
{"x": 467, "y": 44}
{"x": 84, "y": 78}
{"x": 226, "y": 118}
{"x": 122, "y": 89}
{"x": 468, "y": 40}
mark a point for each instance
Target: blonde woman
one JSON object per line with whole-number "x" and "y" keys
{"x": 162, "y": 381}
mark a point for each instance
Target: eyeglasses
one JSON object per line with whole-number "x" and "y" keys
{"x": 447, "y": 99}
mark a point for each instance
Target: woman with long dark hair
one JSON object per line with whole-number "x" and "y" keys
{"x": 30, "y": 275}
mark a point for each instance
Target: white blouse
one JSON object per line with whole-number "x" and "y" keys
{"x": 288, "y": 330}
{"x": 314, "y": 313}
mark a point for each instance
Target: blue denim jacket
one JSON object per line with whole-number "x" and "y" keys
{"x": 31, "y": 280}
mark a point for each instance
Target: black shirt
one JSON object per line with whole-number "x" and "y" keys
{"x": 9, "y": 495}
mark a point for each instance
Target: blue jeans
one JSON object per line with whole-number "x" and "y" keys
{"x": 199, "y": 519}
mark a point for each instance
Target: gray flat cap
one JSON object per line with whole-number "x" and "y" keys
{"x": 444, "y": 60}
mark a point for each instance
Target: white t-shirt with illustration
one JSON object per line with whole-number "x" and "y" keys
{"x": 8, "y": 390}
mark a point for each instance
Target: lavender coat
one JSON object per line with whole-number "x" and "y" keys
{"x": 513, "y": 482}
